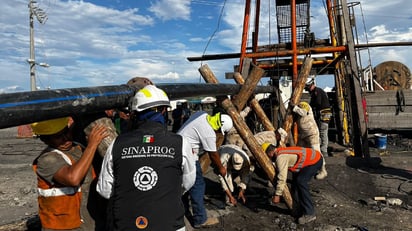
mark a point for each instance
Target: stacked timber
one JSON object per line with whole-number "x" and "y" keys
{"x": 389, "y": 110}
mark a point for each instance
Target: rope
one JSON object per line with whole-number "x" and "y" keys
{"x": 400, "y": 100}
{"x": 405, "y": 180}
{"x": 213, "y": 34}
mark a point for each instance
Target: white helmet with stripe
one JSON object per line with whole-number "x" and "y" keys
{"x": 149, "y": 97}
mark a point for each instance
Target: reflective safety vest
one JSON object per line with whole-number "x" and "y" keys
{"x": 306, "y": 156}
{"x": 59, "y": 206}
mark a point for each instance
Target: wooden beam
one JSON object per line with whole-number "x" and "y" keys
{"x": 247, "y": 86}
{"x": 248, "y": 136}
{"x": 254, "y": 147}
{"x": 297, "y": 94}
{"x": 254, "y": 104}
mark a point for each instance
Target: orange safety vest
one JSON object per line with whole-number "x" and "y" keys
{"x": 59, "y": 206}
{"x": 306, "y": 156}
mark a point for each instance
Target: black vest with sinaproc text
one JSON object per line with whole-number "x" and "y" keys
{"x": 147, "y": 166}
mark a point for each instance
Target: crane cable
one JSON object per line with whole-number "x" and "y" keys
{"x": 213, "y": 34}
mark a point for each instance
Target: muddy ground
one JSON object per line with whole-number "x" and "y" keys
{"x": 345, "y": 200}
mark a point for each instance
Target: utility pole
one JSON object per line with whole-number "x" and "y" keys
{"x": 42, "y": 18}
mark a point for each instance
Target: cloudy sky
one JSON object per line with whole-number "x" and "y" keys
{"x": 107, "y": 42}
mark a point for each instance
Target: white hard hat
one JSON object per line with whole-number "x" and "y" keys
{"x": 309, "y": 81}
{"x": 226, "y": 123}
{"x": 148, "y": 97}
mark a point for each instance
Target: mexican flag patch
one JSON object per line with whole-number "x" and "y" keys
{"x": 148, "y": 139}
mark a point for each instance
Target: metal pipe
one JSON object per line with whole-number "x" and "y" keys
{"x": 27, "y": 107}
{"x": 244, "y": 34}
{"x": 256, "y": 32}
{"x": 269, "y": 54}
{"x": 294, "y": 46}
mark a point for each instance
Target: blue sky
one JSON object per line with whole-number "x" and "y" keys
{"x": 106, "y": 42}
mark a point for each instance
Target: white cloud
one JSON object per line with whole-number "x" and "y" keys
{"x": 89, "y": 44}
{"x": 171, "y": 9}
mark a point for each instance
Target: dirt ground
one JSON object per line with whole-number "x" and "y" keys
{"x": 345, "y": 200}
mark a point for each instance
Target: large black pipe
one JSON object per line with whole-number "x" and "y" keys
{"x": 27, "y": 107}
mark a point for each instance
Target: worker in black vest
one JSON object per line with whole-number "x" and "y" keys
{"x": 146, "y": 171}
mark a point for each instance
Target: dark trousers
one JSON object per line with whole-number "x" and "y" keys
{"x": 300, "y": 188}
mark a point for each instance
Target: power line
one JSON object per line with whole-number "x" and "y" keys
{"x": 207, "y": 3}
{"x": 217, "y": 28}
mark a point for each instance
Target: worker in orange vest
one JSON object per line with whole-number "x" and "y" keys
{"x": 61, "y": 170}
{"x": 304, "y": 163}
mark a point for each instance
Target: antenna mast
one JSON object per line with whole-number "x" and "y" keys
{"x": 42, "y": 18}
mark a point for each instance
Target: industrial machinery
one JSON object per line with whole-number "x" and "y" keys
{"x": 338, "y": 55}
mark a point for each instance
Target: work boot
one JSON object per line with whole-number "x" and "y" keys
{"x": 211, "y": 221}
{"x": 321, "y": 174}
{"x": 306, "y": 219}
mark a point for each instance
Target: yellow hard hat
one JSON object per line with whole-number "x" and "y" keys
{"x": 265, "y": 146}
{"x": 50, "y": 127}
{"x": 304, "y": 105}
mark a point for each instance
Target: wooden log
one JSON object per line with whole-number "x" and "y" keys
{"x": 254, "y": 147}
{"x": 205, "y": 162}
{"x": 254, "y": 104}
{"x": 207, "y": 74}
{"x": 248, "y": 136}
{"x": 247, "y": 89}
{"x": 209, "y": 77}
{"x": 297, "y": 94}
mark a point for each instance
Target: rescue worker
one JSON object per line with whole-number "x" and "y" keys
{"x": 238, "y": 168}
{"x": 201, "y": 131}
{"x": 64, "y": 173}
{"x": 146, "y": 171}
{"x": 272, "y": 137}
{"x": 322, "y": 112}
{"x": 304, "y": 163}
{"x": 308, "y": 132}
{"x": 233, "y": 137}
{"x": 177, "y": 116}
{"x": 218, "y": 104}
{"x": 120, "y": 118}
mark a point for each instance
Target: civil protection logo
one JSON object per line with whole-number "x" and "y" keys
{"x": 141, "y": 222}
{"x": 145, "y": 178}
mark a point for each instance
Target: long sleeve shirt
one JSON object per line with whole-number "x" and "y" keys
{"x": 283, "y": 163}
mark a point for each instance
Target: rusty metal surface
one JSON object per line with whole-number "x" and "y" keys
{"x": 392, "y": 75}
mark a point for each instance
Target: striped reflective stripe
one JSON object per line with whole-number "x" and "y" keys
{"x": 301, "y": 158}
{"x": 65, "y": 157}
{"x": 54, "y": 192}
{"x": 313, "y": 156}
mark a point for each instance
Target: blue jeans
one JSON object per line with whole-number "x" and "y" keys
{"x": 324, "y": 140}
{"x": 300, "y": 187}
{"x": 195, "y": 195}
